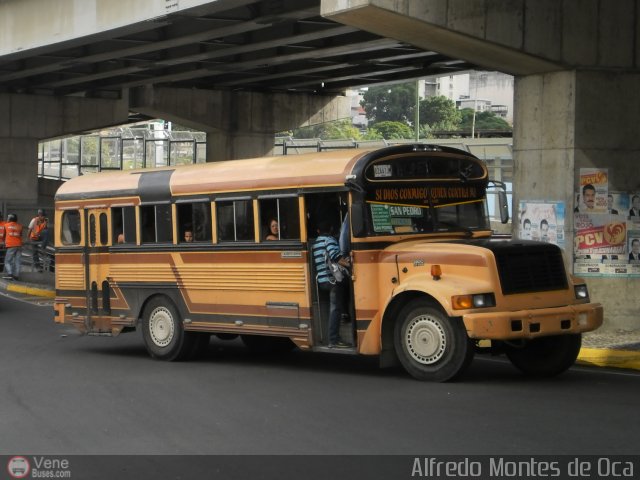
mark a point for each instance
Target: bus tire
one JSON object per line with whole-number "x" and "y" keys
{"x": 264, "y": 345}
{"x": 431, "y": 345}
{"x": 545, "y": 356}
{"x": 163, "y": 332}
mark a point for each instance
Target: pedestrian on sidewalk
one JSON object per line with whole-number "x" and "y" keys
{"x": 13, "y": 241}
{"x": 38, "y": 235}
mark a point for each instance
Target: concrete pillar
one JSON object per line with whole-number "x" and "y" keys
{"x": 238, "y": 124}
{"x": 19, "y": 178}
{"x": 27, "y": 119}
{"x": 565, "y": 121}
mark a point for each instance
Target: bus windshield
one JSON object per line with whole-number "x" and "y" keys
{"x": 393, "y": 219}
{"x": 425, "y": 192}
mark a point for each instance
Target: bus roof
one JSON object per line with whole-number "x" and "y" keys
{"x": 318, "y": 169}
{"x": 274, "y": 172}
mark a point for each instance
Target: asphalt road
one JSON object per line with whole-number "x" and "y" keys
{"x": 64, "y": 394}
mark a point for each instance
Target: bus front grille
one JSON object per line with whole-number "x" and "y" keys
{"x": 530, "y": 268}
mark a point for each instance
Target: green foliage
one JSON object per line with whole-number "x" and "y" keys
{"x": 394, "y": 103}
{"x": 393, "y": 130}
{"x": 338, "y": 130}
{"x": 439, "y": 113}
{"x": 484, "y": 121}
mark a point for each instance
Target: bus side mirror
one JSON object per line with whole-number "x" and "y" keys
{"x": 358, "y": 212}
{"x": 503, "y": 204}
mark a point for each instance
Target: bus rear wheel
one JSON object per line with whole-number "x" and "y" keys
{"x": 431, "y": 345}
{"x": 163, "y": 333}
{"x": 545, "y": 356}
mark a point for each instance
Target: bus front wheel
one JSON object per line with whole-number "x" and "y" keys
{"x": 430, "y": 344}
{"x": 162, "y": 331}
{"x": 545, "y": 356}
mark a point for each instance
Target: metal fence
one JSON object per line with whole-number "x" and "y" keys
{"x": 122, "y": 148}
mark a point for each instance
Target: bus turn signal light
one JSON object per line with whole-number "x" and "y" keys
{"x": 479, "y": 300}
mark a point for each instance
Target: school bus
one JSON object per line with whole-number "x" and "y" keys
{"x": 429, "y": 284}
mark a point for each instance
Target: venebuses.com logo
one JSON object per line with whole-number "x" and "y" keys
{"x": 18, "y": 467}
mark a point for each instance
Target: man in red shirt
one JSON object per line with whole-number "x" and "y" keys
{"x": 13, "y": 241}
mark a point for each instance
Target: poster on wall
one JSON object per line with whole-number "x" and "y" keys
{"x": 634, "y": 208}
{"x": 593, "y": 193}
{"x": 599, "y": 234}
{"x": 542, "y": 221}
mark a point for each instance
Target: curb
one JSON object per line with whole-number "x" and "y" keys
{"x": 27, "y": 289}
{"x": 32, "y": 291}
{"x": 607, "y": 357}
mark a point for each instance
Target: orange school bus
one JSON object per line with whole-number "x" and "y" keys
{"x": 428, "y": 281}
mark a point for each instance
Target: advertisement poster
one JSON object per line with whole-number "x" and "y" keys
{"x": 601, "y": 234}
{"x": 542, "y": 221}
{"x": 593, "y": 191}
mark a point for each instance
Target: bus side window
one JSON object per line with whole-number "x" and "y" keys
{"x": 284, "y": 211}
{"x": 156, "y": 224}
{"x": 235, "y": 221}
{"x": 195, "y": 217}
{"x": 70, "y": 231}
{"x": 123, "y": 223}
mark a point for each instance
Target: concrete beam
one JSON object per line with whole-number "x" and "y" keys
{"x": 238, "y": 124}
{"x": 44, "y": 24}
{"x": 42, "y": 117}
{"x": 519, "y": 37}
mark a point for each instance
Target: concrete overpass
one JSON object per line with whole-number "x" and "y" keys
{"x": 243, "y": 69}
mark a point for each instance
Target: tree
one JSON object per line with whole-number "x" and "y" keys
{"x": 393, "y": 130}
{"x": 337, "y": 130}
{"x": 439, "y": 113}
{"x": 486, "y": 120}
{"x": 395, "y": 103}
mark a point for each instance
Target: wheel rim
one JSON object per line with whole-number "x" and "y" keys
{"x": 161, "y": 326}
{"x": 425, "y": 339}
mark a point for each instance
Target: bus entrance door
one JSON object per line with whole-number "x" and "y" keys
{"x": 96, "y": 267}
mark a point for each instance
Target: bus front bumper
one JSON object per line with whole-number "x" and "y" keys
{"x": 540, "y": 322}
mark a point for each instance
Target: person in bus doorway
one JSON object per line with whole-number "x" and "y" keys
{"x": 327, "y": 246}
{"x": 13, "y": 241}
{"x": 274, "y": 230}
{"x": 38, "y": 235}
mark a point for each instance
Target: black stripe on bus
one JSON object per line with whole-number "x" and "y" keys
{"x": 154, "y": 186}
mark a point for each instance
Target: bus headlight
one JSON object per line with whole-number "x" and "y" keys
{"x": 581, "y": 292}
{"x": 479, "y": 300}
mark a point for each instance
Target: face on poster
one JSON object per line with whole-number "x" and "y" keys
{"x": 594, "y": 185}
{"x": 617, "y": 203}
{"x": 634, "y": 201}
{"x": 634, "y": 245}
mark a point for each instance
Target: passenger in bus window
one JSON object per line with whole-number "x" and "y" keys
{"x": 188, "y": 236}
{"x": 326, "y": 245}
{"x": 120, "y": 238}
{"x": 274, "y": 230}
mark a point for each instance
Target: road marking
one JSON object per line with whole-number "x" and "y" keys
{"x": 31, "y": 300}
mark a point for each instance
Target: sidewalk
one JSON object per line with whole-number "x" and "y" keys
{"x": 602, "y": 348}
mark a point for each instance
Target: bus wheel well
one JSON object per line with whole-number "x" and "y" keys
{"x": 150, "y": 298}
{"x": 388, "y": 355}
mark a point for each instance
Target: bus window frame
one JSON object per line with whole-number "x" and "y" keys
{"x": 233, "y": 199}
{"x": 277, "y": 197}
